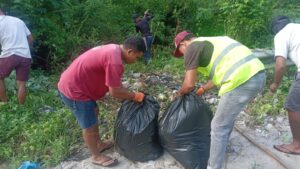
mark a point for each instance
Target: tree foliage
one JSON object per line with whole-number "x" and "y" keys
{"x": 63, "y": 29}
{"x": 246, "y": 20}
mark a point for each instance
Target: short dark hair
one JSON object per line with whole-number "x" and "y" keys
{"x": 278, "y": 23}
{"x": 135, "y": 43}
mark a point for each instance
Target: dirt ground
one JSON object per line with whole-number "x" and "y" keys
{"x": 241, "y": 153}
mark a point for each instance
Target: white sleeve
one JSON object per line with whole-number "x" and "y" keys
{"x": 27, "y": 31}
{"x": 281, "y": 45}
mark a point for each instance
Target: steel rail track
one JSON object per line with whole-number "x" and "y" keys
{"x": 263, "y": 148}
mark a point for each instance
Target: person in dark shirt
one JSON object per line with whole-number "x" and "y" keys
{"x": 142, "y": 25}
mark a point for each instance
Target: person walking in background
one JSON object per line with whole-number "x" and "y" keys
{"x": 287, "y": 45}
{"x": 142, "y": 25}
{"x": 88, "y": 78}
{"x": 15, "y": 39}
{"x": 230, "y": 66}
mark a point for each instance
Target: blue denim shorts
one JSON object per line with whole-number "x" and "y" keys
{"x": 84, "y": 111}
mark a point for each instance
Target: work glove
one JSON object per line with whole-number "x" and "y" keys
{"x": 200, "y": 91}
{"x": 139, "y": 96}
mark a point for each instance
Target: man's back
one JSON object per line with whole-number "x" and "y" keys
{"x": 13, "y": 37}
{"x": 287, "y": 43}
{"x": 144, "y": 27}
{"x": 89, "y": 76}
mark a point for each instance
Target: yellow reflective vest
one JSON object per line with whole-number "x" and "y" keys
{"x": 231, "y": 63}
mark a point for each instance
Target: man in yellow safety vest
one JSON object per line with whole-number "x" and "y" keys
{"x": 230, "y": 66}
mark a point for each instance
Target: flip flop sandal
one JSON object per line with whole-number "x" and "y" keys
{"x": 283, "y": 149}
{"x": 108, "y": 163}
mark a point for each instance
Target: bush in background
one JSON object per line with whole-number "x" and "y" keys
{"x": 64, "y": 29}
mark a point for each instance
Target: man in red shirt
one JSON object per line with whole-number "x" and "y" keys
{"x": 90, "y": 76}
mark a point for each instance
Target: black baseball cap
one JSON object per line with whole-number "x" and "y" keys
{"x": 278, "y": 23}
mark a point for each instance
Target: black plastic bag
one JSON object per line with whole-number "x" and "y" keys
{"x": 184, "y": 131}
{"x": 136, "y": 130}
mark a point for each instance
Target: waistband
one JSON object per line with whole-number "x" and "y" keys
{"x": 261, "y": 71}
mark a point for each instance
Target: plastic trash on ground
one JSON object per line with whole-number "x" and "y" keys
{"x": 29, "y": 165}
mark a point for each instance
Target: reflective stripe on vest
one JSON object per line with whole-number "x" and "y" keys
{"x": 220, "y": 57}
{"x": 236, "y": 66}
{"x": 231, "y": 63}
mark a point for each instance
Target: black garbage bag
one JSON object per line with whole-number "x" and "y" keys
{"x": 136, "y": 130}
{"x": 184, "y": 131}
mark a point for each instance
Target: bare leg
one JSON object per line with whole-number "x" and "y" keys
{"x": 103, "y": 145}
{"x": 3, "y": 97}
{"x": 294, "y": 147}
{"x": 91, "y": 139}
{"x": 21, "y": 91}
{"x": 294, "y": 119}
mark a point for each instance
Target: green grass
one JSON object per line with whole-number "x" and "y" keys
{"x": 162, "y": 62}
{"x": 271, "y": 103}
{"x": 43, "y": 130}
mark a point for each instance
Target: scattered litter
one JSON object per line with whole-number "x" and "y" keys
{"x": 29, "y": 165}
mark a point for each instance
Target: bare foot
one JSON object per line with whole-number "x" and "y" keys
{"x": 288, "y": 148}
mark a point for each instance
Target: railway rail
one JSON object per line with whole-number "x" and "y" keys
{"x": 263, "y": 148}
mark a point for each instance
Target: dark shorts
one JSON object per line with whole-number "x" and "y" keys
{"x": 84, "y": 111}
{"x": 18, "y": 63}
{"x": 292, "y": 101}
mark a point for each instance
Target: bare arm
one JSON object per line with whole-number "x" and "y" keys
{"x": 121, "y": 93}
{"x": 147, "y": 15}
{"x": 279, "y": 72}
{"x": 30, "y": 39}
{"x": 189, "y": 82}
{"x": 209, "y": 85}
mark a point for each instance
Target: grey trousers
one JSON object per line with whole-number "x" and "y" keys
{"x": 230, "y": 105}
